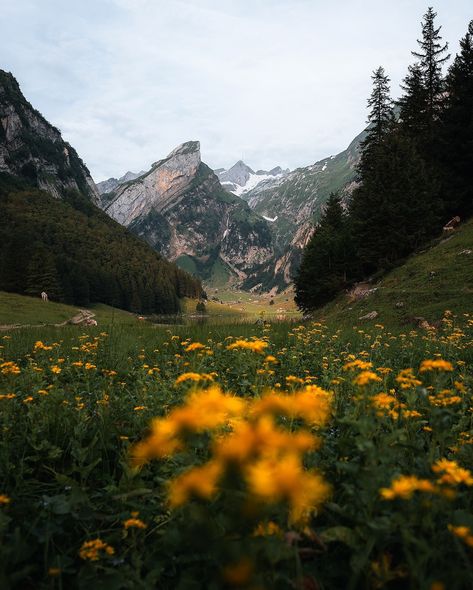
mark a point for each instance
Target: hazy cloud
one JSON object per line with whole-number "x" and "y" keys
{"x": 274, "y": 82}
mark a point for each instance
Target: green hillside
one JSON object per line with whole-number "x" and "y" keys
{"x": 23, "y": 310}
{"x": 437, "y": 279}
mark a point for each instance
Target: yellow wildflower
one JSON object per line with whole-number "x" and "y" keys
{"x": 198, "y": 481}
{"x": 366, "y": 377}
{"x": 95, "y": 549}
{"x": 194, "y": 346}
{"x": 435, "y": 364}
{"x": 253, "y": 345}
{"x": 404, "y": 486}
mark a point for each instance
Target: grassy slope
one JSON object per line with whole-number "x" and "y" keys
{"x": 18, "y": 309}
{"x": 422, "y": 294}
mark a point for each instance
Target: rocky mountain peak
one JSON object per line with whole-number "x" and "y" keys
{"x": 33, "y": 149}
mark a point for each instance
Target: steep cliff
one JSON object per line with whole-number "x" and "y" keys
{"x": 33, "y": 149}
{"x": 180, "y": 208}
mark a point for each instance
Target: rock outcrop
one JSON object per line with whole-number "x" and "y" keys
{"x": 180, "y": 208}
{"x": 33, "y": 149}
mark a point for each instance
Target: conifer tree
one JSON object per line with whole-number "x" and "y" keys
{"x": 413, "y": 112}
{"x": 456, "y": 132}
{"x": 432, "y": 55}
{"x": 326, "y": 262}
{"x": 381, "y": 115}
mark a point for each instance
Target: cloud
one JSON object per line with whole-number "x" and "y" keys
{"x": 270, "y": 81}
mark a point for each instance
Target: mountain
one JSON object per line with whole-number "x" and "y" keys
{"x": 33, "y": 149}
{"x": 111, "y": 184}
{"x": 292, "y": 202}
{"x": 240, "y": 178}
{"x": 180, "y": 208}
{"x": 55, "y": 238}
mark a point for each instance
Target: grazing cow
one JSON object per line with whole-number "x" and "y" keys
{"x": 452, "y": 224}
{"x": 44, "y": 296}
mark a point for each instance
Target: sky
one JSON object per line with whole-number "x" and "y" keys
{"x": 272, "y": 82}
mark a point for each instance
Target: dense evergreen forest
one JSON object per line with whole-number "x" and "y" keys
{"x": 415, "y": 173}
{"x": 78, "y": 255}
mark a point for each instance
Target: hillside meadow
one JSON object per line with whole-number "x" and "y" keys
{"x": 281, "y": 455}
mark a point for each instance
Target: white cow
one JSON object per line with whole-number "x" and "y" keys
{"x": 44, "y": 296}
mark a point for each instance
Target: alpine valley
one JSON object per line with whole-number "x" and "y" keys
{"x": 229, "y": 226}
{"x": 232, "y": 227}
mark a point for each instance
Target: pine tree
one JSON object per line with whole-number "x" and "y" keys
{"x": 326, "y": 262}
{"x": 381, "y": 114}
{"x": 413, "y": 115}
{"x": 393, "y": 211}
{"x": 432, "y": 57}
{"x": 456, "y": 132}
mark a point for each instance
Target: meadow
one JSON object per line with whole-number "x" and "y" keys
{"x": 262, "y": 456}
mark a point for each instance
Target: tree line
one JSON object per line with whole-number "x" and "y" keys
{"x": 415, "y": 173}
{"x": 78, "y": 255}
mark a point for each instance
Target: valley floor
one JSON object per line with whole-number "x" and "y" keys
{"x": 269, "y": 455}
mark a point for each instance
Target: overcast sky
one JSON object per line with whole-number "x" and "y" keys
{"x": 272, "y": 82}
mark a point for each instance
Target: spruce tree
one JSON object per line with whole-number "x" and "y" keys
{"x": 413, "y": 112}
{"x": 432, "y": 55}
{"x": 325, "y": 267}
{"x": 381, "y": 115}
{"x": 456, "y": 132}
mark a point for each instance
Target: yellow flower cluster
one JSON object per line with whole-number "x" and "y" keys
{"x": 193, "y": 377}
{"x": 404, "y": 486}
{"x": 451, "y": 473}
{"x": 435, "y": 365}
{"x": 462, "y": 532}
{"x": 9, "y": 368}
{"x": 407, "y": 379}
{"x": 95, "y": 549}
{"x": 245, "y": 438}
{"x": 39, "y": 345}
{"x": 253, "y": 345}
{"x": 134, "y": 522}
{"x": 4, "y": 499}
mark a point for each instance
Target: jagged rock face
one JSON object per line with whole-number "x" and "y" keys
{"x": 33, "y": 149}
{"x": 292, "y": 203}
{"x": 239, "y": 173}
{"x": 180, "y": 208}
{"x": 298, "y": 197}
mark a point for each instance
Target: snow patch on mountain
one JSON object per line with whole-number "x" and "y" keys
{"x": 240, "y": 178}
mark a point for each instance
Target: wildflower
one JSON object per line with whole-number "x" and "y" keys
{"x": 134, "y": 522}
{"x": 407, "y": 379}
{"x": 436, "y": 364}
{"x": 193, "y": 377}
{"x": 95, "y": 549}
{"x": 55, "y": 369}
{"x": 270, "y": 359}
{"x": 194, "y": 346}
{"x": 275, "y": 480}
{"x": 462, "y": 532}
{"x": 198, "y": 481}
{"x": 10, "y": 368}
{"x": 39, "y": 345}
{"x": 404, "y": 486}
{"x": 257, "y": 346}
{"x": 4, "y": 500}
{"x": 366, "y": 377}
{"x": 139, "y": 408}
{"x": 7, "y": 395}
{"x": 357, "y": 364}
{"x": 451, "y": 473}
